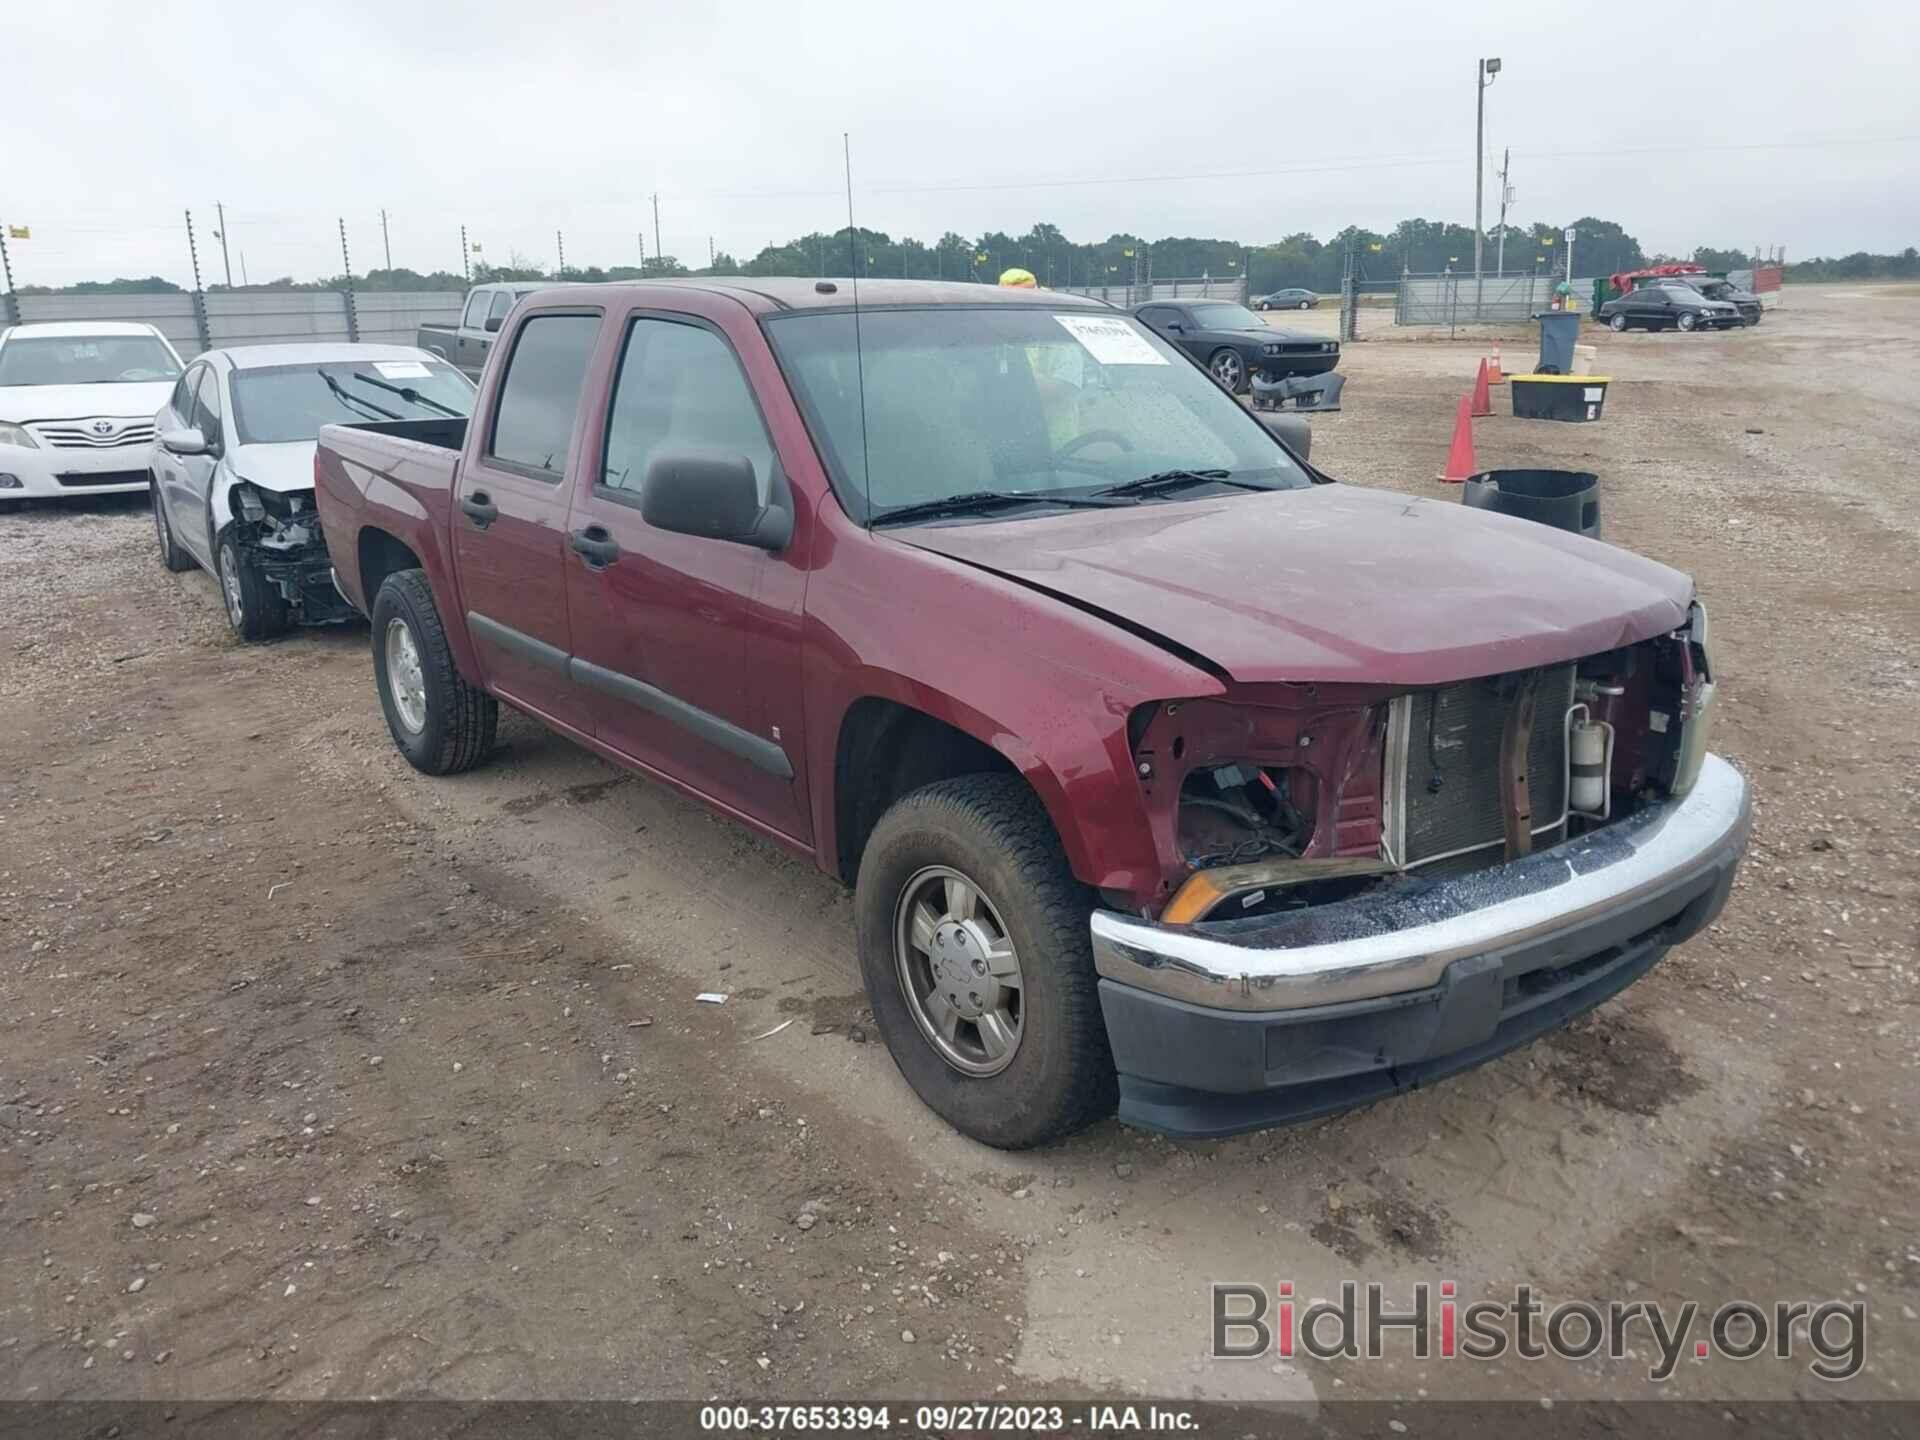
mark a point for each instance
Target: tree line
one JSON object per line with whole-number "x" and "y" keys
{"x": 1602, "y": 247}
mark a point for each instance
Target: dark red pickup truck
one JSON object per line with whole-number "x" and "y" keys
{"x": 1167, "y": 773}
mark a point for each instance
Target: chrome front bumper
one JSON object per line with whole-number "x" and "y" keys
{"x": 1404, "y": 938}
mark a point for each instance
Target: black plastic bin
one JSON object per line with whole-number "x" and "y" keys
{"x": 1558, "y": 397}
{"x": 1559, "y": 333}
{"x": 1565, "y": 499}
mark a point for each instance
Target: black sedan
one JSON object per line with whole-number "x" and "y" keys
{"x": 1235, "y": 344}
{"x": 1671, "y": 304}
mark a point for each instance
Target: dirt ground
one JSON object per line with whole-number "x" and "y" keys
{"x": 319, "y": 1078}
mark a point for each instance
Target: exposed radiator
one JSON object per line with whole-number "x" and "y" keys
{"x": 1443, "y": 766}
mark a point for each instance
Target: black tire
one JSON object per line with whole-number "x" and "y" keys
{"x": 1618, "y": 324}
{"x": 1226, "y": 358}
{"x": 1306, "y": 304}
{"x": 171, "y": 555}
{"x": 1687, "y": 322}
{"x": 993, "y": 829}
{"x": 1754, "y": 319}
{"x": 460, "y": 720}
{"x": 255, "y": 609}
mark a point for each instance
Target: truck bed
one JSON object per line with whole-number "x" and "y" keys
{"x": 394, "y": 475}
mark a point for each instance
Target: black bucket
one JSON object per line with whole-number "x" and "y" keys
{"x": 1565, "y": 499}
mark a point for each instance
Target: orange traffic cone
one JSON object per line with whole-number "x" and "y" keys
{"x": 1460, "y": 461}
{"x": 1494, "y": 377}
{"x": 1482, "y": 401}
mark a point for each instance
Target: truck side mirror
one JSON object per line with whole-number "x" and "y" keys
{"x": 1290, "y": 430}
{"x": 493, "y": 323}
{"x": 714, "y": 496}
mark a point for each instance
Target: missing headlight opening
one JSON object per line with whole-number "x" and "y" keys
{"x": 279, "y": 534}
{"x": 1425, "y": 784}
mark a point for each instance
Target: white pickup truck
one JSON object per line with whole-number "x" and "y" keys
{"x": 465, "y": 345}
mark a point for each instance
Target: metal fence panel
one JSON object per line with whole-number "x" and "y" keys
{"x": 393, "y": 317}
{"x": 172, "y": 314}
{"x": 259, "y": 317}
{"x": 275, "y": 317}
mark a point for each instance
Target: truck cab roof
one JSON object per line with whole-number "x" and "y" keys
{"x": 769, "y": 294}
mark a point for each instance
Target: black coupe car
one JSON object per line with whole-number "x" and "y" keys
{"x": 1668, "y": 304}
{"x": 1236, "y": 344}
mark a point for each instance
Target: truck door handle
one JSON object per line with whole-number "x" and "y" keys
{"x": 480, "y": 508}
{"x": 596, "y": 545}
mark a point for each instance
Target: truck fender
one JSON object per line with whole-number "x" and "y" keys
{"x": 1084, "y": 779}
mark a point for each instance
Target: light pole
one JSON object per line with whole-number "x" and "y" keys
{"x": 1483, "y": 74}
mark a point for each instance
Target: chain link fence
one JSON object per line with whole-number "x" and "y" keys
{"x": 1453, "y": 300}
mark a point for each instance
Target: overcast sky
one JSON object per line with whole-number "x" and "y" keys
{"x": 520, "y": 119}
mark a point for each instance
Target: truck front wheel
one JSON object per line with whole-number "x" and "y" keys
{"x": 978, "y": 962}
{"x": 442, "y": 724}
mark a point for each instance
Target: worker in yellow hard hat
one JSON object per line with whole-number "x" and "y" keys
{"x": 1019, "y": 279}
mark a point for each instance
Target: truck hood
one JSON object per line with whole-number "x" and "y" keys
{"x": 136, "y": 399}
{"x": 285, "y": 468}
{"x": 1334, "y": 584}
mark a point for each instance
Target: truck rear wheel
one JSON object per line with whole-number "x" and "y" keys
{"x": 978, "y": 962}
{"x": 441, "y": 724}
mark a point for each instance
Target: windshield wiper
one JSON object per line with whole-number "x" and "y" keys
{"x": 346, "y": 399}
{"x": 1163, "y": 480}
{"x": 412, "y": 396}
{"x": 975, "y": 502}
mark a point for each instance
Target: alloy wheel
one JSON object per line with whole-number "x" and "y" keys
{"x": 959, "y": 971}
{"x": 406, "y": 678}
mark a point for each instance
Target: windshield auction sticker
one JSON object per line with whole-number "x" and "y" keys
{"x": 403, "y": 369}
{"x": 1111, "y": 342}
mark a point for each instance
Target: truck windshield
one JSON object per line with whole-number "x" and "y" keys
{"x": 1013, "y": 400}
{"x": 280, "y": 403}
{"x": 85, "y": 360}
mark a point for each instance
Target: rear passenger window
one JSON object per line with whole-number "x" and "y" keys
{"x": 541, "y": 391}
{"x": 502, "y": 303}
{"x": 476, "y": 309}
{"x": 680, "y": 388}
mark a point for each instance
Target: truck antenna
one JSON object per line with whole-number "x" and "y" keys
{"x": 859, "y": 359}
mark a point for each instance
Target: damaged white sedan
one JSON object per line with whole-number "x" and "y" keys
{"x": 231, "y": 468}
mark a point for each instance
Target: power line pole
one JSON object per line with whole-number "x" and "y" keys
{"x": 1483, "y": 73}
{"x": 657, "y": 251}
{"x": 221, "y": 211}
{"x": 466, "y": 270}
{"x": 710, "y": 252}
{"x": 1506, "y": 195}
{"x": 386, "y": 242}
{"x": 560, "y": 248}
{"x": 641, "y": 236}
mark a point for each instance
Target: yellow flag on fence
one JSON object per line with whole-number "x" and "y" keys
{"x": 19, "y": 232}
